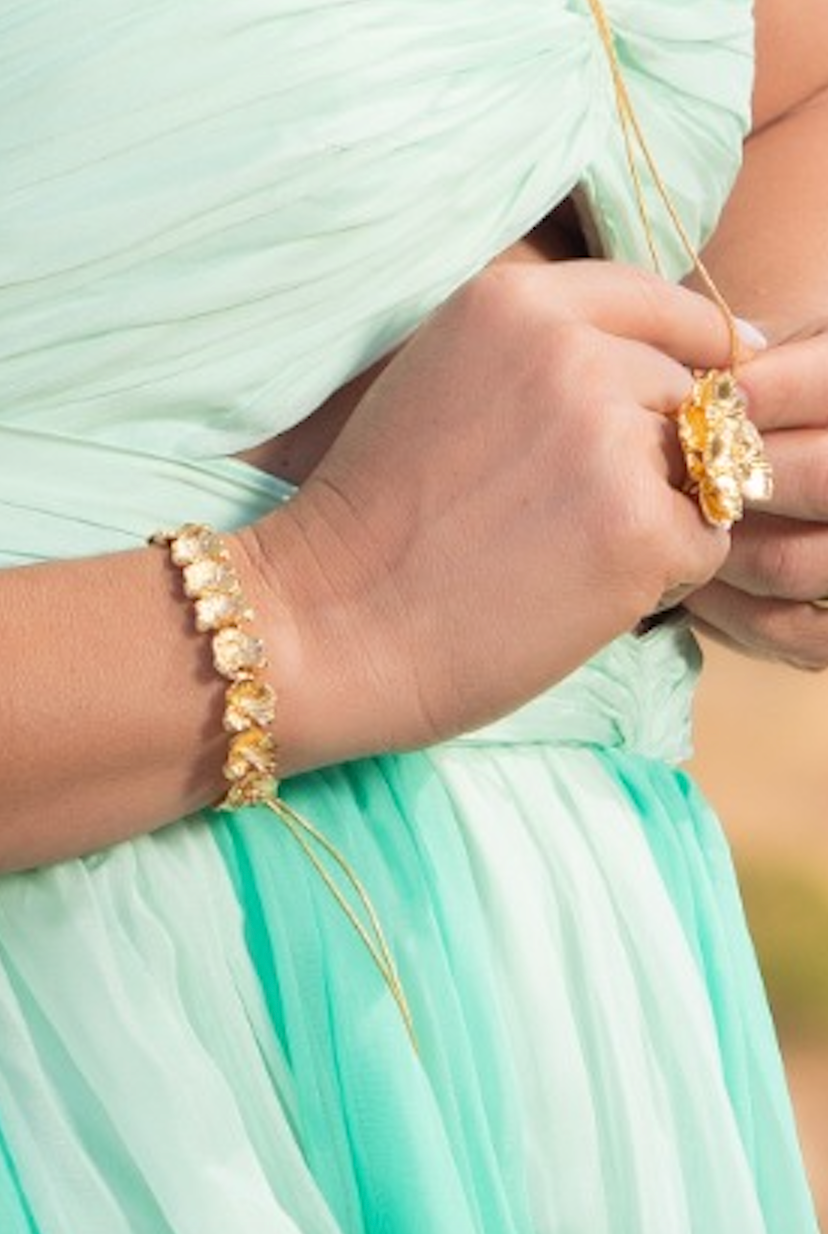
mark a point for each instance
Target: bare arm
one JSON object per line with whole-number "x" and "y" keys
{"x": 406, "y": 593}
{"x": 109, "y": 716}
{"x": 770, "y": 251}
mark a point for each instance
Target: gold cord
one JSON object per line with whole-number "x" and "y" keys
{"x": 222, "y": 612}
{"x": 377, "y": 946}
{"x": 634, "y": 137}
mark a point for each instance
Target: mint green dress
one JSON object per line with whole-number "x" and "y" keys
{"x": 212, "y": 215}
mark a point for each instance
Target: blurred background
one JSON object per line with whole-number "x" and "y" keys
{"x": 762, "y": 758}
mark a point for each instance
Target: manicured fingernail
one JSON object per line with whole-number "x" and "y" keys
{"x": 750, "y": 335}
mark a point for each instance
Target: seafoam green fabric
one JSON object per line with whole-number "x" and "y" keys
{"x": 13, "y": 1206}
{"x": 213, "y": 215}
{"x": 690, "y": 851}
{"x": 578, "y": 1068}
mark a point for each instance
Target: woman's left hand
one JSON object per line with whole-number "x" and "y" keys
{"x": 762, "y": 601}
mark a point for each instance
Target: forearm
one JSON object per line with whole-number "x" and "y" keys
{"x": 404, "y": 594}
{"x": 770, "y": 251}
{"x": 110, "y": 716}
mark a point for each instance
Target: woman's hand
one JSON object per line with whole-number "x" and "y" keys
{"x": 762, "y": 600}
{"x": 504, "y": 501}
{"x": 769, "y": 256}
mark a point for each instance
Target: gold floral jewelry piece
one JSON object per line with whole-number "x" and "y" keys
{"x": 250, "y": 768}
{"x": 723, "y": 451}
{"x": 722, "y": 448}
{"x": 221, "y": 611}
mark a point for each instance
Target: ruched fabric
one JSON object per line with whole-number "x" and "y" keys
{"x": 213, "y": 215}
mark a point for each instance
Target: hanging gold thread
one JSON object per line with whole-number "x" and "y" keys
{"x": 301, "y": 828}
{"x": 634, "y": 136}
{"x": 723, "y": 450}
{"x": 221, "y": 611}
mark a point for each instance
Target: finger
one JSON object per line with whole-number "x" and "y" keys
{"x": 651, "y": 378}
{"x": 674, "y": 597}
{"x": 656, "y": 442}
{"x": 779, "y": 557}
{"x": 704, "y": 547}
{"x": 658, "y": 388}
{"x": 771, "y": 629}
{"x": 787, "y": 386}
{"x": 637, "y": 304}
{"x": 718, "y": 636}
{"x": 799, "y": 458}
{"x": 675, "y": 465}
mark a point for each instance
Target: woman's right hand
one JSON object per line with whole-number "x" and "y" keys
{"x": 504, "y": 501}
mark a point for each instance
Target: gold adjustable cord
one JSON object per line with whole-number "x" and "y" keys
{"x": 634, "y": 138}
{"x": 250, "y": 769}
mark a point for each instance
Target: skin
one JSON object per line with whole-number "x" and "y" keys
{"x": 407, "y": 593}
{"x": 404, "y": 593}
{"x": 777, "y": 276}
{"x": 409, "y": 562}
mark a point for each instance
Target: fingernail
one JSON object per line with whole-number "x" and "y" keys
{"x": 751, "y": 335}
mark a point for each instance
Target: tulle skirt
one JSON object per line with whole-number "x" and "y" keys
{"x": 195, "y": 1040}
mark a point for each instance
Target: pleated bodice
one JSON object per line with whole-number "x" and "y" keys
{"x": 195, "y": 256}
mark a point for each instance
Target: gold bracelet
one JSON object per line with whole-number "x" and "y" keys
{"x": 250, "y": 767}
{"x": 222, "y": 611}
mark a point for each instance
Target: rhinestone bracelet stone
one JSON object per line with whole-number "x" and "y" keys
{"x": 221, "y": 610}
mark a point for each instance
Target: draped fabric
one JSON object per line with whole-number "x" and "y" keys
{"x": 213, "y": 215}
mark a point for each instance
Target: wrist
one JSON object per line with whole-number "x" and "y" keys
{"x": 317, "y": 643}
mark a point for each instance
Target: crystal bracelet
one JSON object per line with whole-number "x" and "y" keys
{"x": 250, "y": 767}
{"x": 221, "y": 610}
